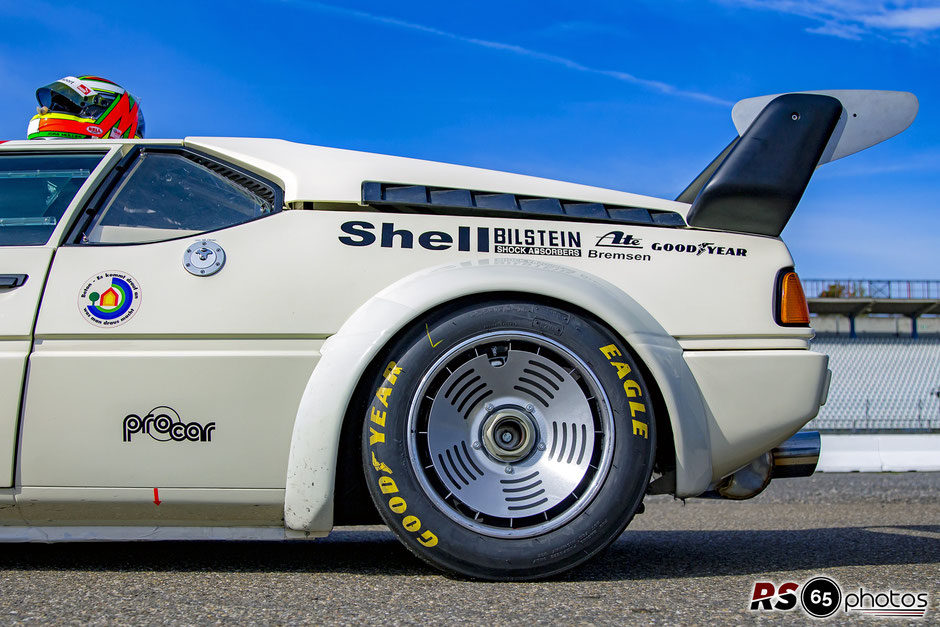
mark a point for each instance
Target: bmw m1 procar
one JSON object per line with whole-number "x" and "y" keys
{"x": 251, "y": 338}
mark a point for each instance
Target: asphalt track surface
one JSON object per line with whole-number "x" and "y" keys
{"x": 692, "y": 563}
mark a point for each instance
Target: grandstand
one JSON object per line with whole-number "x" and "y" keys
{"x": 883, "y": 342}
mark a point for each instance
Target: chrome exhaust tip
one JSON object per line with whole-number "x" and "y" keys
{"x": 797, "y": 457}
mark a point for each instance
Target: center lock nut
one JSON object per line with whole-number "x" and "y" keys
{"x": 509, "y": 434}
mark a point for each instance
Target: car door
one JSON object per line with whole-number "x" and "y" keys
{"x": 36, "y": 189}
{"x": 162, "y": 359}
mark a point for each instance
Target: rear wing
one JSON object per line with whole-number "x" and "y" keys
{"x": 756, "y": 182}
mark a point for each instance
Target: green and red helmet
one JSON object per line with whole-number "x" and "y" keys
{"x": 86, "y": 107}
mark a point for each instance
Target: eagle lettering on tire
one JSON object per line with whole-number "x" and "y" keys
{"x": 516, "y": 443}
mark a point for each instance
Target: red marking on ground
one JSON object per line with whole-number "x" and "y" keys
{"x": 156, "y": 496}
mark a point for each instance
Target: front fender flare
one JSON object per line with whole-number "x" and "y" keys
{"x": 345, "y": 356}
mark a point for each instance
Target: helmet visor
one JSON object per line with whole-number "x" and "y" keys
{"x": 70, "y": 95}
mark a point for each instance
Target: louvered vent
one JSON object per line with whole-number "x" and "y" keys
{"x": 259, "y": 189}
{"x": 420, "y": 198}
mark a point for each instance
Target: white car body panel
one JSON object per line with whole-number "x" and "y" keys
{"x": 206, "y": 381}
{"x": 17, "y": 315}
{"x": 272, "y": 347}
{"x": 753, "y": 396}
{"x": 333, "y": 174}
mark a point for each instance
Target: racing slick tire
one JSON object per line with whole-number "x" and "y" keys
{"x": 508, "y": 440}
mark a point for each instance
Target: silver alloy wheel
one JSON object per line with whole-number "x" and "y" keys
{"x": 510, "y": 434}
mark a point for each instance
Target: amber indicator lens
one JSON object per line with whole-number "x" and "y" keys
{"x": 793, "y": 309}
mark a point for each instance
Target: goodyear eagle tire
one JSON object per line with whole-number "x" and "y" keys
{"x": 508, "y": 441}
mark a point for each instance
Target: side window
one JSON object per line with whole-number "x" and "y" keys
{"x": 165, "y": 195}
{"x": 35, "y": 190}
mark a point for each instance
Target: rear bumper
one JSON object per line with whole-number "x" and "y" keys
{"x": 756, "y": 399}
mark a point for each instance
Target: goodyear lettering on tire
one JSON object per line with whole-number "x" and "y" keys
{"x": 378, "y": 413}
{"x": 632, "y": 389}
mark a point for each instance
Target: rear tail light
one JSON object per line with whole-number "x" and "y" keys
{"x": 792, "y": 309}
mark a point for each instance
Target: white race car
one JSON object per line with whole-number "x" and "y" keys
{"x": 251, "y": 338}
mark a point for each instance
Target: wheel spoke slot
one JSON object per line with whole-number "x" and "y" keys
{"x": 454, "y": 467}
{"x": 463, "y": 464}
{"x": 536, "y": 373}
{"x": 529, "y": 506}
{"x": 455, "y": 384}
{"x": 521, "y": 479}
{"x": 541, "y": 387}
{"x": 470, "y": 458}
{"x": 525, "y": 497}
{"x": 475, "y": 403}
{"x": 447, "y": 472}
{"x": 532, "y": 394}
{"x": 524, "y": 488}
{"x": 470, "y": 395}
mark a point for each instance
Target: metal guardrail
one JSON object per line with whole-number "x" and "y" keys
{"x": 871, "y": 288}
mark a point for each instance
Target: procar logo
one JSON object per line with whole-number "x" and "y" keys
{"x": 822, "y": 597}
{"x": 164, "y": 424}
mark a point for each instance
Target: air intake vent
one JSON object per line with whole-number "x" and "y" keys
{"x": 262, "y": 191}
{"x": 447, "y": 201}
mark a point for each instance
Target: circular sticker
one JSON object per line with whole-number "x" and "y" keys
{"x": 109, "y": 299}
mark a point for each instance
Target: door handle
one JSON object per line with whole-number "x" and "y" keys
{"x": 10, "y": 281}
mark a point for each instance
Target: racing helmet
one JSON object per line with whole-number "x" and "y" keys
{"x": 86, "y": 107}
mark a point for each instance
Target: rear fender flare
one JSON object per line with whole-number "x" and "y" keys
{"x": 346, "y": 355}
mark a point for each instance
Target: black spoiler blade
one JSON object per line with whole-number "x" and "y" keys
{"x": 756, "y": 182}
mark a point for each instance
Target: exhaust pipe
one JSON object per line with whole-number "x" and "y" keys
{"x": 749, "y": 481}
{"x": 797, "y": 457}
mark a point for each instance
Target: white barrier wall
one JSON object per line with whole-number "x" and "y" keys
{"x": 879, "y": 452}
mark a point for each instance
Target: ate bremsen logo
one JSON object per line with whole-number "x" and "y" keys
{"x": 618, "y": 239}
{"x": 822, "y": 597}
{"x": 109, "y": 299}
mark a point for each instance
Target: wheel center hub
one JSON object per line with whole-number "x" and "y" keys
{"x": 509, "y": 434}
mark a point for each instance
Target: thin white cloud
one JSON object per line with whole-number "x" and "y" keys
{"x": 842, "y": 31}
{"x": 626, "y": 77}
{"x": 922, "y": 18}
{"x": 902, "y": 20}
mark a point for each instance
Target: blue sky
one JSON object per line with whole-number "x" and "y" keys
{"x": 628, "y": 95}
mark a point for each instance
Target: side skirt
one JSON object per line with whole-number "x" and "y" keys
{"x": 105, "y": 534}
